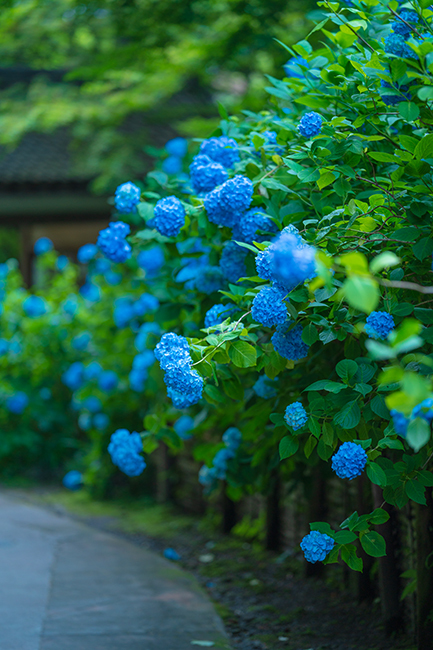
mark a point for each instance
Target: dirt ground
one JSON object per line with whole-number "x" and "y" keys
{"x": 264, "y": 599}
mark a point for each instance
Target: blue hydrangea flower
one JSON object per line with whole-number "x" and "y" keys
{"x": 124, "y": 450}
{"x": 172, "y": 165}
{"x": 81, "y": 341}
{"x": 92, "y": 371}
{"x": 169, "y": 216}
{"x": 184, "y": 384}
{"x": 296, "y": 416}
{"x": 146, "y": 330}
{"x": 310, "y": 124}
{"x": 247, "y": 227}
{"x": 171, "y": 554}
{"x": 177, "y": 147}
{"x": 232, "y": 438}
{"x": 73, "y": 480}
{"x": 292, "y": 263}
{"x": 17, "y": 402}
{"x": 424, "y": 410}
{"x": 316, "y": 546}
{"x": 396, "y": 45}
{"x": 100, "y": 421}
{"x": 62, "y": 262}
{"x": 232, "y": 262}
{"x": 217, "y": 314}
{"x": 222, "y": 150}
{"x": 379, "y": 324}
{"x": 126, "y": 198}
{"x": 87, "y": 253}
{"x": 113, "y": 278}
{"x": 206, "y": 174}
{"x": 265, "y": 259}
{"x": 207, "y": 476}
{"x": 151, "y": 260}
{"x": 73, "y": 378}
{"x": 85, "y": 421}
{"x": 145, "y": 304}
{"x": 43, "y": 245}
{"x": 108, "y": 380}
{"x": 220, "y": 461}
{"x": 4, "y": 346}
{"x": 35, "y": 306}
{"x": 144, "y": 360}
{"x": 401, "y": 27}
{"x": 401, "y": 93}
{"x": 123, "y": 311}
{"x": 183, "y": 426}
{"x": 225, "y": 203}
{"x": 349, "y": 461}
{"x": 137, "y": 379}
{"x": 265, "y": 387}
{"x": 289, "y": 343}
{"x": 269, "y": 308}
{"x": 90, "y": 292}
{"x": 292, "y": 67}
{"x": 400, "y": 422}
{"x": 112, "y": 242}
{"x": 209, "y": 280}
{"x": 92, "y": 404}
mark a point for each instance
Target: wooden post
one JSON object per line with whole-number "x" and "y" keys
{"x": 273, "y": 514}
{"x": 230, "y": 511}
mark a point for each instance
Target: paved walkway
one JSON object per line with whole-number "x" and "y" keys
{"x": 65, "y": 586}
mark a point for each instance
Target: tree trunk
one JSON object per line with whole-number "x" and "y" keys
{"x": 230, "y": 512}
{"x": 424, "y": 548}
{"x": 389, "y": 573}
{"x": 273, "y": 515}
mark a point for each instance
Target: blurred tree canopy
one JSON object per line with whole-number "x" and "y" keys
{"x": 91, "y": 66}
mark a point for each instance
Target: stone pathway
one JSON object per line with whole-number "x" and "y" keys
{"x": 65, "y": 586}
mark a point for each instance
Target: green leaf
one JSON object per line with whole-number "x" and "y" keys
{"x": 380, "y": 156}
{"x": 326, "y": 179}
{"x": 406, "y": 234}
{"x": 214, "y": 393}
{"x": 346, "y": 369}
{"x": 289, "y": 445}
{"x": 328, "y": 434}
{"x": 145, "y": 210}
{"x": 379, "y": 407}
{"x": 362, "y": 292}
{"x": 424, "y": 148}
{"x": 423, "y": 248}
{"x": 378, "y": 516}
{"x": 373, "y": 544}
{"x": 408, "y": 111}
{"x": 416, "y": 491}
{"x": 309, "y": 446}
{"x": 344, "y": 537}
{"x": 243, "y": 354}
{"x": 376, "y": 474}
{"x": 348, "y": 555}
{"x": 424, "y": 315}
{"x": 324, "y": 384}
{"x": 418, "y": 433}
{"x": 349, "y": 416}
{"x": 383, "y": 261}
{"x": 310, "y": 334}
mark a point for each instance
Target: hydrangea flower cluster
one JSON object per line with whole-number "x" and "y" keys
{"x": 43, "y": 245}
{"x": 252, "y": 221}
{"x": 151, "y": 260}
{"x": 222, "y": 150}
{"x": 169, "y": 216}
{"x": 126, "y": 309}
{"x": 316, "y": 546}
{"x": 403, "y": 28}
{"x": 401, "y": 93}
{"x": 292, "y": 67}
{"x": 90, "y": 291}
{"x": 73, "y": 480}
{"x": 208, "y": 476}
{"x": 34, "y": 306}
{"x": 127, "y": 197}
{"x": 265, "y": 387}
{"x": 396, "y": 45}
{"x": 292, "y": 262}
{"x": 177, "y": 147}
{"x": 232, "y": 262}
{"x": 269, "y": 308}
{"x": 296, "y": 416}
{"x": 225, "y": 203}
{"x": 310, "y": 124}
{"x": 401, "y": 422}
{"x": 108, "y": 380}
{"x": 172, "y": 165}
{"x": 232, "y": 438}
{"x": 206, "y": 174}
{"x": 289, "y": 343}
{"x": 184, "y": 384}
{"x": 379, "y": 324}
{"x": 17, "y": 402}
{"x": 349, "y": 461}
{"x": 183, "y": 426}
{"x": 217, "y": 314}
{"x": 81, "y": 341}
{"x": 146, "y": 330}
{"x": 112, "y": 242}
{"x": 73, "y": 378}
{"x": 124, "y": 450}
{"x": 86, "y": 253}
{"x": 92, "y": 371}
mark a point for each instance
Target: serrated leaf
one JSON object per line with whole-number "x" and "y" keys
{"x": 346, "y": 369}
{"x": 373, "y": 544}
{"x": 416, "y": 492}
{"x": 324, "y": 384}
{"x": 289, "y": 445}
{"x": 376, "y": 474}
{"x": 349, "y": 416}
{"x": 379, "y": 516}
{"x": 243, "y": 354}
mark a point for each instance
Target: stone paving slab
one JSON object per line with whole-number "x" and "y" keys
{"x": 65, "y": 586}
